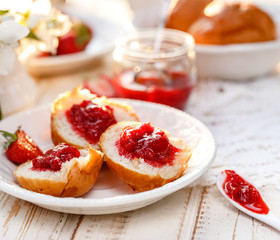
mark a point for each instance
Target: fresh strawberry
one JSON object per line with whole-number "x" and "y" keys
{"x": 44, "y": 54}
{"x": 20, "y": 147}
{"x": 101, "y": 86}
{"x": 75, "y": 40}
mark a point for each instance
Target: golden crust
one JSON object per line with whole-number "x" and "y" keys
{"x": 183, "y": 13}
{"x": 234, "y": 23}
{"x": 44, "y": 186}
{"x": 79, "y": 181}
{"x": 141, "y": 182}
{"x": 82, "y": 180}
{"x": 214, "y": 22}
{"x": 65, "y": 100}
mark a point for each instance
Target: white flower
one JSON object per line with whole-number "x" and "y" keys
{"x": 33, "y": 20}
{"x": 10, "y": 33}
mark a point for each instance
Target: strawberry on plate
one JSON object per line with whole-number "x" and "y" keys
{"x": 20, "y": 147}
{"x": 101, "y": 86}
{"x": 45, "y": 54}
{"x": 75, "y": 40}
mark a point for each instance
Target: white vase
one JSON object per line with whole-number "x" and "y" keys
{"x": 18, "y": 90}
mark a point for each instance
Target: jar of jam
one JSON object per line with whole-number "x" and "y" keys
{"x": 156, "y": 65}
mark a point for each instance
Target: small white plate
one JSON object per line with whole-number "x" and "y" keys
{"x": 110, "y": 194}
{"x": 104, "y": 35}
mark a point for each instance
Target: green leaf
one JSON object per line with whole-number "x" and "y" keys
{"x": 83, "y": 34}
{"x": 3, "y": 12}
{"x": 1, "y": 116}
{"x": 52, "y": 23}
{"x": 10, "y": 138}
{"x": 32, "y": 35}
{"x": 25, "y": 17}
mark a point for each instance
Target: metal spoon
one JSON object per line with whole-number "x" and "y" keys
{"x": 269, "y": 218}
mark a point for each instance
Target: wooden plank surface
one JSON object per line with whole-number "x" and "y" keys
{"x": 192, "y": 213}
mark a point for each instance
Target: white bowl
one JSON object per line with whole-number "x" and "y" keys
{"x": 237, "y": 61}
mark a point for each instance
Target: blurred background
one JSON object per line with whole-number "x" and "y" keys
{"x": 108, "y": 19}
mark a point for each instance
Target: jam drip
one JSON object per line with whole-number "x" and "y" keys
{"x": 53, "y": 158}
{"x": 244, "y": 193}
{"x": 148, "y": 143}
{"x": 90, "y": 120}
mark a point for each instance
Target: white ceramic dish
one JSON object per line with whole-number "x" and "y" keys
{"x": 105, "y": 33}
{"x": 237, "y": 61}
{"x": 110, "y": 194}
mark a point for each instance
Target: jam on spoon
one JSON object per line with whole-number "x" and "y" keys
{"x": 244, "y": 193}
{"x": 244, "y": 196}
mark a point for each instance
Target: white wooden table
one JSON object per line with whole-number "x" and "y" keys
{"x": 244, "y": 117}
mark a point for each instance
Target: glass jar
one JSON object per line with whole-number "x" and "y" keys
{"x": 18, "y": 91}
{"x": 156, "y": 65}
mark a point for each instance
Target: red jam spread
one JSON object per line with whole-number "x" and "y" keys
{"x": 90, "y": 120}
{"x": 53, "y": 158}
{"x": 171, "y": 88}
{"x": 146, "y": 142}
{"x": 244, "y": 193}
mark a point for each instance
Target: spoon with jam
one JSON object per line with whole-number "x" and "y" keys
{"x": 246, "y": 197}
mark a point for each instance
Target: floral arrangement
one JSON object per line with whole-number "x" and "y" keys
{"x": 10, "y": 33}
{"x": 45, "y": 29}
{"x": 50, "y": 32}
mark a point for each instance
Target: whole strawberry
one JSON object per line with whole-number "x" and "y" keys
{"x": 100, "y": 86}
{"x": 20, "y": 147}
{"x": 75, "y": 40}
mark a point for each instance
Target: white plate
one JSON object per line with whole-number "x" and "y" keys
{"x": 241, "y": 61}
{"x": 111, "y": 195}
{"x": 105, "y": 33}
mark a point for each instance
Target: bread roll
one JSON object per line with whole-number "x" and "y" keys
{"x": 136, "y": 172}
{"x": 183, "y": 13}
{"x": 75, "y": 177}
{"x": 233, "y": 23}
{"x": 63, "y": 131}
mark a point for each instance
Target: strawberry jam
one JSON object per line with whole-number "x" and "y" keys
{"x": 53, "y": 158}
{"x": 90, "y": 120}
{"x": 244, "y": 193}
{"x": 146, "y": 142}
